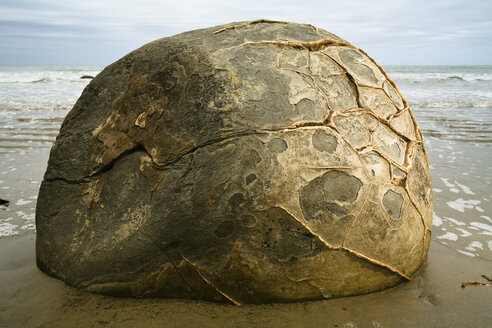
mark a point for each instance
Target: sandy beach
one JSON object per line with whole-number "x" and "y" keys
{"x": 434, "y": 298}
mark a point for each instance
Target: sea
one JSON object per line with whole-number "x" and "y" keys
{"x": 452, "y": 105}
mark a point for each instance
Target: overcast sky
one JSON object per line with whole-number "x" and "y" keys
{"x": 98, "y": 32}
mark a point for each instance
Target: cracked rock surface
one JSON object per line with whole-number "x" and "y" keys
{"x": 248, "y": 163}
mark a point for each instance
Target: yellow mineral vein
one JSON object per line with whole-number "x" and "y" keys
{"x": 343, "y": 248}
{"x": 209, "y": 282}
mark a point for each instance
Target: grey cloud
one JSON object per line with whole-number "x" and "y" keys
{"x": 394, "y": 32}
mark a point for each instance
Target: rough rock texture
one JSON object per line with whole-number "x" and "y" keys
{"x": 251, "y": 163}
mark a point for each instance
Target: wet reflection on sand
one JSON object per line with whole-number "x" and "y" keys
{"x": 460, "y": 154}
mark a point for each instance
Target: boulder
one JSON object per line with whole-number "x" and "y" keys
{"x": 248, "y": 163}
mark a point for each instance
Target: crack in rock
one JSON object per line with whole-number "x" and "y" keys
{"x": 343, "y": 248}
{"x": 208, "y": 281}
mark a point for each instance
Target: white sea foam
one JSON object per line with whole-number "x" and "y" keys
{"x": 464, "y": 233}
{"x": 465, "y": 189}
{"x": 437, "y": 190}
{"x": 29, "y": 226}
{"x": 482, "y": 226}
{"x": 466, "y": 253}
{"x": 21, "y": 202}
{"x": 454, "y": 221}
{"x": 447, "y": 104}
{"x": 25, "y": 216}
{"x": 489, "y": 244}
{"x": 46, "y": 74}
{"x": 447, "y": 183}
{"x": 449, "y": 236}
{"x": 436, "y": 221}
{"x": 474, "y": 245}
{"x": 439, "y": 76}
{"x": 460, "y": 204}
{"x": 486, "y": 218}
{"x": 8, "y": 229}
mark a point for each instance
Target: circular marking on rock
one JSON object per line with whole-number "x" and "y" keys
{"x": 305, "y": 107}
{"x": 392, "y": 202}
{"x": 236, "y": 200}
{"x": 250, "y": 178}
{"x": 248, "y": 220}
{"x": 277, "y": 145}
{"x": 315, "y": 207}
{"x": 253, "y": 154}
{"x": 224, "y": 229}
{"x": 323, "y": 141}
{"x": 340, "y": 186}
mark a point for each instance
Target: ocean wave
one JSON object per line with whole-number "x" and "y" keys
{"x": 32, "y": 106}
{"x": 443, "y": 80}
{"x": 451, "y": 77}
{"x": 44, "y": 79}
{"x": 454, "y": 77}
{"x": 48, "y": 76}
{"x": 433, "y": 103}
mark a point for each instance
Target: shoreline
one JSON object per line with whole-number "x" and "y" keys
{"x": 433, "y": 298}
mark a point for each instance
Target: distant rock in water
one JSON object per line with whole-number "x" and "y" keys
{"x": 87, "y": 77}
{"x": 4, "y": 202}
{"x": 246, "y": 163}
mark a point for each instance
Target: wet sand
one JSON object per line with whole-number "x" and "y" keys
{"x": 434, "y": 298}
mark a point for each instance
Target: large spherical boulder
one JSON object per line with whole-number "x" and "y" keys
{"x": 251, "y": 163}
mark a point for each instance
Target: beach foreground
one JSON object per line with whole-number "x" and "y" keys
{"x": 434, "y": 298}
